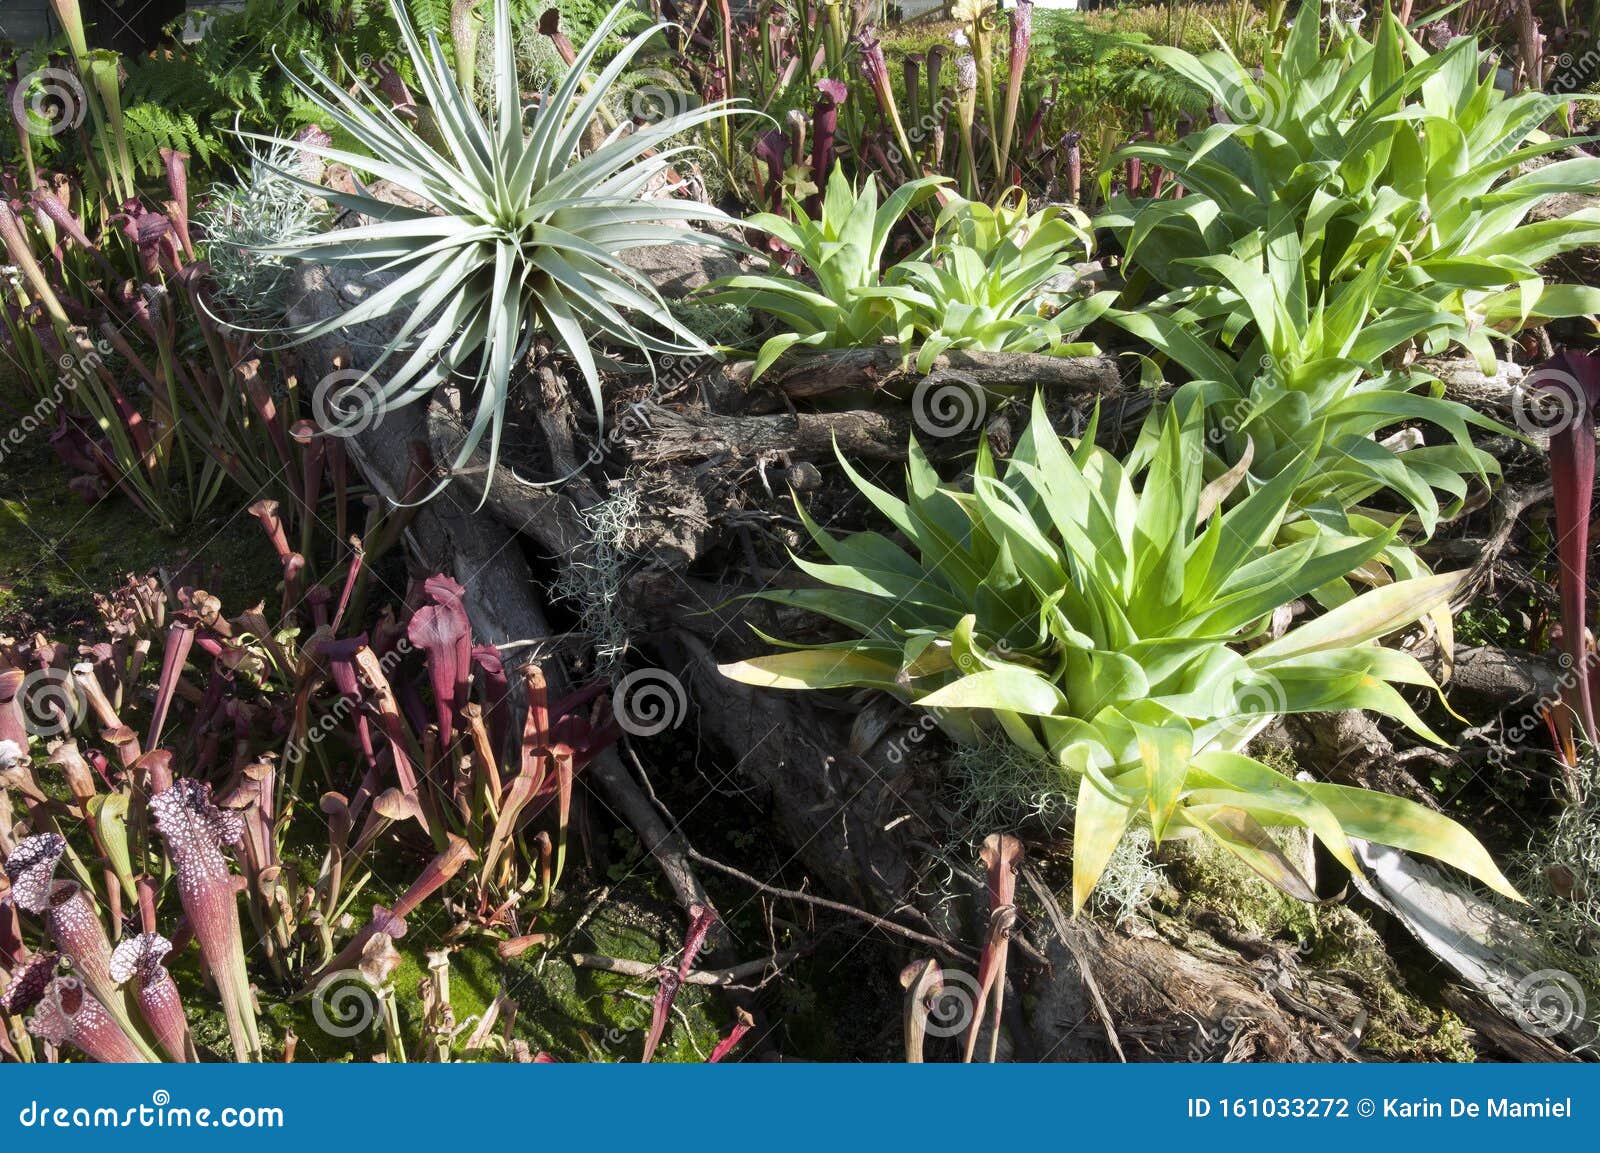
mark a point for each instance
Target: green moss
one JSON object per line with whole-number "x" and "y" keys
{"x": 1402, "y": 1026}
{"x": 1214, "y": 880}
{"x": 1334, "y": 941}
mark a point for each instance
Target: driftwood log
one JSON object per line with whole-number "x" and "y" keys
{"x": 811, "y": 374}
{"x": 662, "y": 434}
{"x": 1495, "y": 393}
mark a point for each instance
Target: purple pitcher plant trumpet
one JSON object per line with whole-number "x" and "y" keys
{"x": 195, "y": 831}
{"x": 140, "y": 961}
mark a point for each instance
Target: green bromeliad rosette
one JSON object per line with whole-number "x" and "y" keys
{"x": 1117, "y": 619}
{"x": 987, "y": 280}
{"x": 1384, "y": 161}
{"x": 1358, "y": 202}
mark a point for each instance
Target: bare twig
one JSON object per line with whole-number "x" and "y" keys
{"x": 732, "y": 975}
{"x": 1052, "y": 909}
{"x": 1509, "y": 504}
{"x": 948, "y": 948}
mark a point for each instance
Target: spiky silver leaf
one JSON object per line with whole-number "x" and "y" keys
{"x": 525, "y": 232}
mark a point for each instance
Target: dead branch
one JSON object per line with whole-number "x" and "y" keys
{"x": 948, "y": 948}
{"x": 668, "y": 435}
{"x": 732, "y": 975}
{"x": 820, "y": 373}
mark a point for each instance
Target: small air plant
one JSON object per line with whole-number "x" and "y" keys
{"x": 195, "y": 831}
{"x": 526, "y": 231}
{"x": 260, "y": 207}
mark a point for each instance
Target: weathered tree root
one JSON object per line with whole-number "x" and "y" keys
{"x": 664, "y": 435}
{"x": 1468, "y": 384}
{"x": 447, "y": 535}
{"x": 812, "y": 374}
{"x": 856, "y": 819}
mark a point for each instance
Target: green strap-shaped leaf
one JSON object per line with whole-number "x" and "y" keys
{"x": 1099, "y": 823}
{"x": 1404, "y": 824}
{"x": 813, "y": 669}
{"x": 1242, "y": 835}
{"x": 1372, "y": 615}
